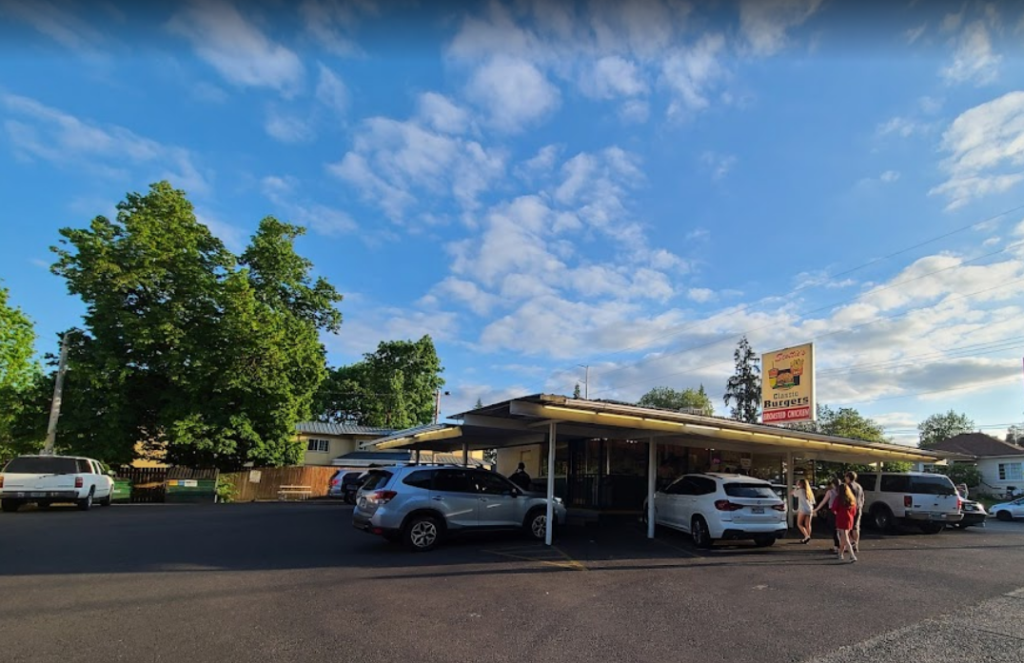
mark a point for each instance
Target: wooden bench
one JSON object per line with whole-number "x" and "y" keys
{"x": 284, "y": 493}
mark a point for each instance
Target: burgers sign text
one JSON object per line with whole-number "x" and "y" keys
{"x": 787, "y": 385}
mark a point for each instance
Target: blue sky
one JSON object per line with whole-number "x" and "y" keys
{"x": 540, "y": 185}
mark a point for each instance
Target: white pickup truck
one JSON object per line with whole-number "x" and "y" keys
{"x": 48, "y": 480}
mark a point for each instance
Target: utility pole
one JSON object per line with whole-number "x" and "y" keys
{"x": 586, "y": 380}
{"x": 58, "y": 388}
{"x": 437, "y": 405}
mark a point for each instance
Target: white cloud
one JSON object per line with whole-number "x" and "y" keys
{"x": 718, "y": 164}
{"x": 689, "y": 72}
{"x": 701, "y": 295}
{"x": 208, "y": 92}
{"x": 55, "y": 21}
{"x": 287, "y": 128}
{"x": 613, "y": 76}
{"x": 901, "y": 126}
{"x": 973, "y": 60}
{"x": 333, "y": 22}
{"x": 635, "y": 111}
{"x": 233, "y": 236}
{"x": 889, "y": 176}
{"x": 467, "y": 293}
{"x": 913, "y": 34}
{"x": 985, "y": 147}
{"x": 514, "y": 93}
{"x": 765, "y": 23}
{"x": 930, "y": 105}
{"x": 394, "y": 164}
{"x": 39, "y": 131}
{"x": 331, "y": 90}
{"x": 321, "y": 219}
{"x": 442, "y": 114}
{"x": 236, "y": 48}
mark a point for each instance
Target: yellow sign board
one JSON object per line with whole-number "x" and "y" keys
{"x": 787, "y": 385}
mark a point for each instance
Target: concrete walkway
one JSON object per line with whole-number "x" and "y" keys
{"x": 991, "y": 631}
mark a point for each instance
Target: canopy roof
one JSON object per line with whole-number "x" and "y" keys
{"x": 523, "y": 421}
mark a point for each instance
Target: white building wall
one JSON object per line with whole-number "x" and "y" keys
{"x": 510, "y": 457}
{"x": 989, "y": 468}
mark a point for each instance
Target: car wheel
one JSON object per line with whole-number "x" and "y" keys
{"x": 350, "y": 498}
{"x": 422, "y": 533}
{"x": 932, "y": 528}
{"x": 1005, "y": 516}
{"x": 106, "y": 501}
{"x": 882, "y": 517}
{"x": 764, "y": 541}
{"x": 700, "y": 533}
{"x": 536, "y": 525}
{"x": 85, "y": 504}
{"x": 9, "y": 505}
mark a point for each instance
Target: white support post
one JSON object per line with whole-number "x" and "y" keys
{"x": 552, "y": 435}
{"x": 790, "y": 514}
{"x": 652, "y": 475}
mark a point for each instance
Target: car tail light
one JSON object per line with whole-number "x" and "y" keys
{"x": 779, "y": 507}
{"x": 334, "y": 482}
{"x": 79, "y": 482}
{"x": 726, "y": 505}
{"x": 381, "y": 496}
{"x": 959, "y": 503}
{"x": 908, "y": 501}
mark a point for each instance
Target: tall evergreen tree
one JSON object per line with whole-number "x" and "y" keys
{"x": 744, "y": 387}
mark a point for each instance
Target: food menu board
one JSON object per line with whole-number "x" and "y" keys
{"x": 787, "y": 385}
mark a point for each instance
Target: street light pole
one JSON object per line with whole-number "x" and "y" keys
{"x": 437, "y": 405}
{"x": 58, "y": 389}
{"x": 586, "y": 380}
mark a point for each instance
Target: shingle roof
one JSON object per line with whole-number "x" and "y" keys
{"x": 978, "y": 444}
{"x": 322, "y": 428}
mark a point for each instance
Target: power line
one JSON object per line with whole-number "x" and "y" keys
{"x": 816, "y": 338}
{"x": 827, "y": 276}
{"x": 913, "y": 360}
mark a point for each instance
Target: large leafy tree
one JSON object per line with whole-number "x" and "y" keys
{"x": 672, "y": 399}
{"x": 394, "y": 387}
{"x": 744, "y": 387}
{"x": 213, "y": 356}
{"x": 939, "y": 427}
{"x": 19, "y": 373}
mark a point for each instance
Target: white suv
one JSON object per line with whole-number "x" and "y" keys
{"x": 929, "y": 501}
{"x": 47, "y": 480}
{"x": 721, "y": 506}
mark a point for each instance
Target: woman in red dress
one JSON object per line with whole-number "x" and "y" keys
{"x": 845, "y": 508}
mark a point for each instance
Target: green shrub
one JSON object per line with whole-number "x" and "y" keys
{"x": 962, "y": 473}
{"x": 225, "y": 490}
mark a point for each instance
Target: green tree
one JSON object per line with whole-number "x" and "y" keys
{"x": 939, "y": 427}
{"x": 576, "y": 391}
{"x": 1015, "y": 434}
{"x": 962, "y": 473}
{"x": 394, "y": 387}
{"x": 479, "y": 404}
{"x": 744, "y": 387}
{"x": 19, "y": 372}
{"x": 668, "y": 398}
{"x": 186, "y": 345}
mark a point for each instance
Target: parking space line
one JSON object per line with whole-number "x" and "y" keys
{"x": 566, "y": 562}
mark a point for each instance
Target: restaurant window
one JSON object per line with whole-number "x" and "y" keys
{"x": 316, "y": 444}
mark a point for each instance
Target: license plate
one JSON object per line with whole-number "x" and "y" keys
{"x": 757, "y": 509}
{"x": 37, "y": 494}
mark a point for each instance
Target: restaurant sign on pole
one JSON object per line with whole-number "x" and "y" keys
{"x": 787, "y": 385}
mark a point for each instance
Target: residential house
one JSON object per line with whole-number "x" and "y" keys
{"x": 1001, "y": 463}
{"x": 324, "y": 442}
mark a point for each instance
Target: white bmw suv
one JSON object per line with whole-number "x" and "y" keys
{"x": 716, "y": 506}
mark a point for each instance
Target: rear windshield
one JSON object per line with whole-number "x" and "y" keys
{"x": 935, "y": 485}
{"x": 756, "y": 490}
{"x": 376, "y": 479}
{"x": 42, "y": 465}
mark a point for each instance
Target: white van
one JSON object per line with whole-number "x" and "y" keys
{"x": 929, "y": 501}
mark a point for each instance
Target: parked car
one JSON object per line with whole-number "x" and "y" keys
{"x": 47, "y": 480}
{"x": 929, "y": 501}
{"x": 716, "y": 506}
{"x": 344, "y": 484}
{"x": 974, "y": 514}
{"x": 423, "y": 505}
{"x": 1009, "y": 510}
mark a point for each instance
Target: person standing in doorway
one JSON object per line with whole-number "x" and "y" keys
{"x": 520, "y": 477}
{"x": 845, "y": 508}
{"x": 804, "y": 509}
{"x": 858, "y": 494}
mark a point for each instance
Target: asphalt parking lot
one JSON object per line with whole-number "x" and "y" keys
{"x": 294, "y": 582}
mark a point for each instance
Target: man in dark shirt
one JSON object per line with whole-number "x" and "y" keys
{"x": 520, "y": 477}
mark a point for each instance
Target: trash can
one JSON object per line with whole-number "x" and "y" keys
{"x": 191, "y": 490}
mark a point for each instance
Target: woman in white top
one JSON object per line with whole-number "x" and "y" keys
{"x": 804, "y": 508}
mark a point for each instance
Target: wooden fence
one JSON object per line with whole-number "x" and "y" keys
{"x": 271, "y": 479}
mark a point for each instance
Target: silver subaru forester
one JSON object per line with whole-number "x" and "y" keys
{"x": 421, "y": 504}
